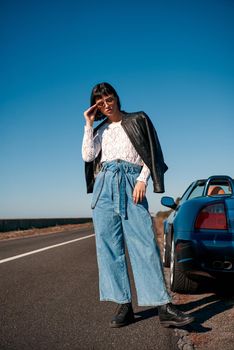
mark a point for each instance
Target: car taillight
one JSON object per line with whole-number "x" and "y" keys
{"x": 212, "y": 217}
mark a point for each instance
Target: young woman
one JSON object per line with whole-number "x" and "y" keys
{"x": 120, "y": 154}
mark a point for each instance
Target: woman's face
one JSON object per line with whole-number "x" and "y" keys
{"x": 107, "y": 105}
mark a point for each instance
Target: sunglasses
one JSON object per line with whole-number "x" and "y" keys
{"x": 109, "y": 100}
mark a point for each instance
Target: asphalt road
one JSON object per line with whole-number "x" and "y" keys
{"x": 50, "y": 300}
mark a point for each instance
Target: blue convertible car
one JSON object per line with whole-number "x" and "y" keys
{"x": 199, "y": 234}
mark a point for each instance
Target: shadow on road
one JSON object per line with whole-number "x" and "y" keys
{"x": 204, "y": 307}
{"x": 145, "y": 314}
{"x": 207, "y": 307}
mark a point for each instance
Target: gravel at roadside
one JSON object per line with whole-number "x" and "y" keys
{"x": 43, "y": 231}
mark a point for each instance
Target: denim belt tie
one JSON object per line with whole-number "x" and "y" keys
{"x": 119, "y": 169}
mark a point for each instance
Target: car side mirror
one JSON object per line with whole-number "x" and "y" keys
{"x": 168, "y": 202}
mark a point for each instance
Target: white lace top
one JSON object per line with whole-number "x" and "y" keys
{"x": 115, "y": 144}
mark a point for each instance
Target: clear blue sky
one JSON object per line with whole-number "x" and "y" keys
{"x": 172, "y": 59}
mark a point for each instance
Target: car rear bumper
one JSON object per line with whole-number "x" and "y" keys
{"x": 204, "y": 258}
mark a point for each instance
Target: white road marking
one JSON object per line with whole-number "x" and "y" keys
{"x": 42, "y": 249}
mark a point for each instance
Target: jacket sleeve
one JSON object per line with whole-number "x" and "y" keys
{"x": 158, "y": 166}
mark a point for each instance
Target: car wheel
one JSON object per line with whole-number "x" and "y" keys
{"x": 167, "y": 249}
{"x": 179, "y": 282}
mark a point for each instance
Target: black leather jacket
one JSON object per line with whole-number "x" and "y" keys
{"x": 143, "y": 136}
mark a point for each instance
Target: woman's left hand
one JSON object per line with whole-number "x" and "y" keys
{"x": 139, "y": 192}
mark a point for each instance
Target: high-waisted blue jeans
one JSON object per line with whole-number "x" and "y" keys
{"x": 117, "y": 220}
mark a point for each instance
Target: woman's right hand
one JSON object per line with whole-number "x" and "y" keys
{"x": 89, "y": 114}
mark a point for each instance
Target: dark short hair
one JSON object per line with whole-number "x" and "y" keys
{"x": 99, "y": 90}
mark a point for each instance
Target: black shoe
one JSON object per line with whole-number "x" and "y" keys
{"x": 123, "y": 315}
{"x": 169, "y": 315}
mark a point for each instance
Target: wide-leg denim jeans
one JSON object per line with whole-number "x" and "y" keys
{"x": 117, "y": 220}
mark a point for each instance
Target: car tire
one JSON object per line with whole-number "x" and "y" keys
{"x": 167, "y": 249}
{"x": 179, "y": 282}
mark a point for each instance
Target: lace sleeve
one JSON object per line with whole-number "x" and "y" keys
{"x": 144, "y": 174}
{"x": 91, "y": 146}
